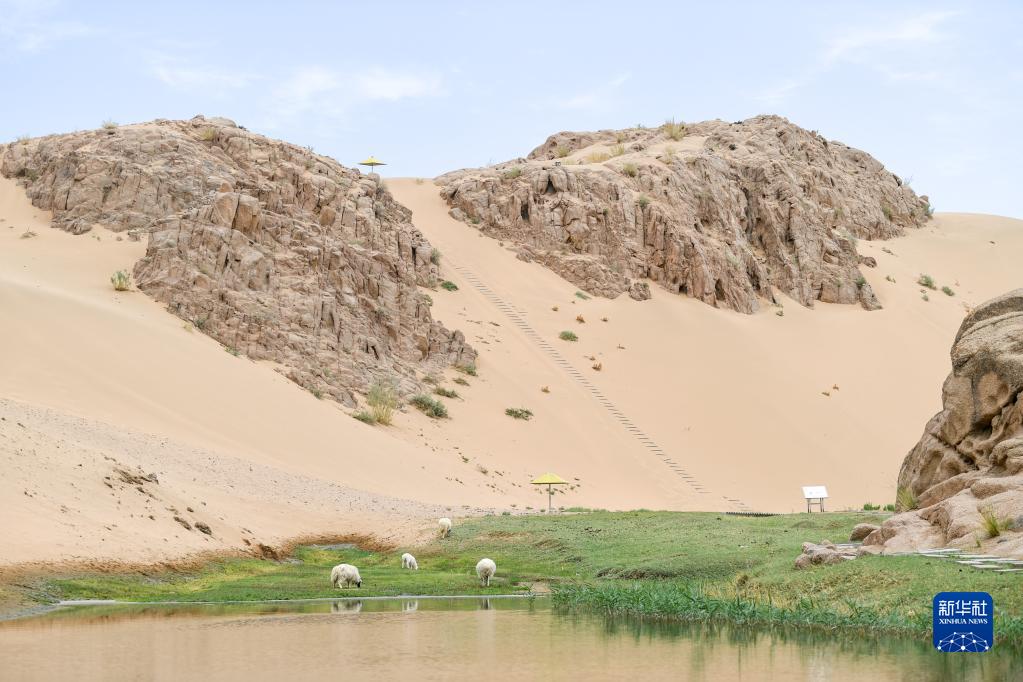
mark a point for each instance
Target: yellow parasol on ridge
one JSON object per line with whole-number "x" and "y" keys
{"x": 372, "y": 162}
{"x": 549, "y": 480}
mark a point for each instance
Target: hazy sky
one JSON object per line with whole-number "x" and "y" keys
{"x": 933, "y": 90}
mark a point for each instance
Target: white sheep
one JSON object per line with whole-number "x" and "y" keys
{"x": 445, "y": 527}
{"x": 409, "y": 561}
{"x": 345, "y": 575}
{"x": 485, "y": 569}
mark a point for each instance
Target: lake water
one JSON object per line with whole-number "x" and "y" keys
{"x": 446, "y": 639}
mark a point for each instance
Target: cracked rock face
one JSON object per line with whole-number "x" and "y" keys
{"x": 969, "y": 461}
{"x": 729, "y": 213}
{"x": 275, "y": 251}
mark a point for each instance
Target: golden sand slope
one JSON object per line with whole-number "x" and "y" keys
{"x": 96, "y": 382}
{"x": 751, "y": 406}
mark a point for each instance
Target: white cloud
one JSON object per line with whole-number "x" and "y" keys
{"x": 186, "y": 77}
{"x": 393, "y": 85}
{"x": 595, "y": 97}
{"x": 874, "y": 48}
{"x": 32, "y": 26}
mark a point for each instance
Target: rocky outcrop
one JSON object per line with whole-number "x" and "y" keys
{"x": 729, "y": 213}
{"x": 825, "y": 553}
{"x": 862, "y": 530}
{"x": 271, "y": 249}
{"x": 968, "y": 464}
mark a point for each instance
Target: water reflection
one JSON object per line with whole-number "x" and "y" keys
{"x": 455, "y": 638}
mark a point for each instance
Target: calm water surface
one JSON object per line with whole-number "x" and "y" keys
{"x": 446, "y": 639}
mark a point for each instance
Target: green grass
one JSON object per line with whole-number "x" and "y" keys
{"x": 685, "y": 566}
{"x": 448, "y": 286}
{"x": 926, "y": 281}
{"x": 568, "y": 336}
{"x": 383, "y": 401}
{"x": 947, "y": 290}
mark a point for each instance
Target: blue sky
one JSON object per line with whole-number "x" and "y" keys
{"x": 933, "y": 90}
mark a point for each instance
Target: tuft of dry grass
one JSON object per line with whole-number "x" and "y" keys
{"x": 121, "y": 280}
{"x": 383, "y": 401}
{"x": 674, "y": 130}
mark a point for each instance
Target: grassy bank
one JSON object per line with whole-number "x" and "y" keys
{"x": 691, "y": 566}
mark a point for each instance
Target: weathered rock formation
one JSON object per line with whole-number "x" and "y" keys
{"x": 267, "y": 247}
{"x": 826, "y": 553}
{"x": 969, "y": 461}
{"x": 723, "y": 212}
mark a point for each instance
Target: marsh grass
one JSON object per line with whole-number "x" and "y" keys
{"x": 672, "y": 565}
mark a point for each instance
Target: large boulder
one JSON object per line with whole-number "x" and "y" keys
{"x": 966, "y": 473}
{"x": 728, "y": 213}
{"x": 269, "y": 248}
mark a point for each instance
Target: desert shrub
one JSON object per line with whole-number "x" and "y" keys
{"x": 512, "y": 173}
{"x": 448, "y": 286}
{"x": 617, "y": 149}
{"x": 109, "y": 125}
{"x": 121, "y": 280}
{"x": 860, "y": 281}
{"x": 460, "y": 381}
{"x": 926, "y": 281}
{"x": 431, "y": 407}
{"x": 383, "y": 401}
{"x": 890, "y": 278}
{"x": 435, "y": 254}
{"x": 364, "y": 417}
{"x": 871, "y": 507}
{"x": 674, "y": 130}
{"x": 929, "y": 210}
{"x": 580, "y": 319}
{"x": 994, "y": 525}
{"x": 519, "y": 413}
{"x": 598, "y": 366}
{"x": 317, "y": 393}
{"x": 207, "y": 134}
{"x": 947, "y": 290}
{"x": 562, "y": 151}
{"x": 643, "y": 202}
{"x": 630, "y": 170}
{"x": 889, "y": 507}
{"x": 27, "y": 234}
{"x": 581, "y": 296}
{"x": 445, "y": 392}
{"x": 568, "y": 336}
{"x": 597, "y": 157}
{"x": 905, "y": 500}
{"x": 466, "y": 369}
{"x": 887, "y": 211}
{"x": 232, "y": 350}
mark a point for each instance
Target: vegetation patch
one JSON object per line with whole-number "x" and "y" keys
{"x": 519, "y": 413}
{"x": 448, "y": 286}
{"x": 429, "y": 406}
{"x": 568, "y": 336}
{"x": 121, "y": 280}
{"x": 445, "y": 392}
{"x": 383, "y": 401}
{"x": 926, "y": 281}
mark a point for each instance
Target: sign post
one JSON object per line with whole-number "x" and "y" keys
{"x": 815, "y": 495}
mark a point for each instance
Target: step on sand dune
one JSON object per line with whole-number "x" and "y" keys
{"x": 116, "y": 409}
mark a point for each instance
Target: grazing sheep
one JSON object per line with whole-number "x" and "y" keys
{"x": 445, "y": 527}
{"x": 345, "y": 575}
{"x": 486, "y": 569}
{"x": 409, "y": 561}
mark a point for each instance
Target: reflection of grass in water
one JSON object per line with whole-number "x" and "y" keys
{"x": 742, "y": 566}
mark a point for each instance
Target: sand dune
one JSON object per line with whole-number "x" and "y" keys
{"x": 692, "y": 408}
{"x": 739, "y": 400}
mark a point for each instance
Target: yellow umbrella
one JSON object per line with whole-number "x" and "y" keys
{"x": 549, "y": 480}
{"x": 372, "y": 162}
